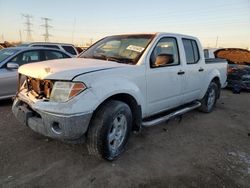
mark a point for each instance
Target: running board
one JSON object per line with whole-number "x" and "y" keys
{"x": 171, "y": 115}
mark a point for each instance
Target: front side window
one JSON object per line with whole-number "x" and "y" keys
{"x": 191, "y": 51}
{"x": 165, "y": 53}
{"x": 121, "y": 49}
{"x": 26, "y": 57}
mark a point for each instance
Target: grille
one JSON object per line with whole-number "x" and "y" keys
{"x": 40, "y": 88}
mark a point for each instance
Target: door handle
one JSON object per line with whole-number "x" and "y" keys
{"x": 181, "y": 72}
{"x": 201, "y": 69}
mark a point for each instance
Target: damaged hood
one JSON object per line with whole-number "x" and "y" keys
{"x": 66, "y": 69}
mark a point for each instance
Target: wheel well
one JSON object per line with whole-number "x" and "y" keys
{"x": 132, "y": 103}
{"x": 217, "y": 81}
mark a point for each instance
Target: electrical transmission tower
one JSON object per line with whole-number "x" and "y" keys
{"x": 28, "y": 26}
{"x": 46, "y": 27}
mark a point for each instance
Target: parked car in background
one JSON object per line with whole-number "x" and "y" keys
{"x": 209, "y": 52}
{"x": 119, "y": 84}
{"x": 12, "y": 58}
{"x": 69, "y": 48}
{"x": 79, "y": 49}
{"x": 238, "y": 66}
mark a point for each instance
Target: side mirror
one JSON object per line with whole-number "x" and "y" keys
{"x": 12, "y": 65}
{"x": 163, "y": 60}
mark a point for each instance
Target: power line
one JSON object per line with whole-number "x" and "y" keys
{"x": 28, "y": 26}
{"x": 46, "y": 27}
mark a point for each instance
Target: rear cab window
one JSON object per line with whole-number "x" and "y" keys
{"x": 191, "y": 51}
{"x": 69, "y": 49}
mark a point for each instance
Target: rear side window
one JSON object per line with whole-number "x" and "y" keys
{"x": 191, "y": 51}
{"x": 206, "y": 55}
{"x": 69, "y": 49}
{"x": 47, "y": 46}
{"x": 53, "y": 55}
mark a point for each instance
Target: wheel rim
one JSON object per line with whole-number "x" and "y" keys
{"x": 211, "y": 98}
{"x": 117, "y": 132}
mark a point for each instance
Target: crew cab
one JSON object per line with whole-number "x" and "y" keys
{"x": 120, "y": 84}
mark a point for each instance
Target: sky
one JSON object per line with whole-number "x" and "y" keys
{"x": 217, "y": 23}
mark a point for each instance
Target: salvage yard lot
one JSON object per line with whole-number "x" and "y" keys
{"x": 201, "y": 150}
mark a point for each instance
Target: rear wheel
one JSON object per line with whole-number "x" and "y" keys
{"x": 109, "y": 130}
{"x": 209, "y": 100}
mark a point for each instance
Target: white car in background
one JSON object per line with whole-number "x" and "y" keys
{"x": 69, "y": 48}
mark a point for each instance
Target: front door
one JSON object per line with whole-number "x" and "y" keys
{"x": 8, "y": 82}
{"x": 164, "y": 82}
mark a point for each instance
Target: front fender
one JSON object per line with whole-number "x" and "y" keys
{"x": 107, "y": 87}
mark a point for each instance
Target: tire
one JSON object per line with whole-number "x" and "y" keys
{"x": 209, "y": 100}
{"x": 109, "y": 130}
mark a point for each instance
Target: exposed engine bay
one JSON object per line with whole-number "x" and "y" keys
{"x": 41, "y": 89}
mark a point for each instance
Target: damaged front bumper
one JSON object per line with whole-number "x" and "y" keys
{"x": 58, "y": 126}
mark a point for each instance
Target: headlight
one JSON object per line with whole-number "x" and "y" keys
{"x": 63, "y": 91}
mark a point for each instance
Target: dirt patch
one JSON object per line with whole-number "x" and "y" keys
{"x": 203, "y": 150}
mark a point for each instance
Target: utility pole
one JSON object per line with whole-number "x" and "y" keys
{"x": 216, "y": 44}
{"x": 28, "y": 25}
{"x": 20, "y": 35}
{"x": 46, "y": 27}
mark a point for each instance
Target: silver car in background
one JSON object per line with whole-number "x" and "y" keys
{"x": 12, "y": 58}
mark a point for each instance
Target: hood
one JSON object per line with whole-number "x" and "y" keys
{"x": 66, "y": 69}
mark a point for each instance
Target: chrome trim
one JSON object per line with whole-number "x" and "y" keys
{"x": 171, "y": 115}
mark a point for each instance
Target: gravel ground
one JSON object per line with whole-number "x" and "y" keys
{"x": 201, "y": 150}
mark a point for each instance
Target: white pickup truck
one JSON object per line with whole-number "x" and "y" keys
{"x": 121, "y": 83}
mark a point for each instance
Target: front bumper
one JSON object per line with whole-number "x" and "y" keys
{"x": 70, "y": 127}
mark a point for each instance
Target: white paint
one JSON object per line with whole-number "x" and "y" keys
{"x": 155, "y": 89}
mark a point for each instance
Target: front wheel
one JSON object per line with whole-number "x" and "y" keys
{"x": 209, "y": 100}
{"x": 109, "y": 130}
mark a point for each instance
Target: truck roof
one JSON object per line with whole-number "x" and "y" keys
{"x": 159, "y": 34}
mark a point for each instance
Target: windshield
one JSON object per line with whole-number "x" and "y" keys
{"x": 122, "y": 48}
{"x": 5, "y": 53}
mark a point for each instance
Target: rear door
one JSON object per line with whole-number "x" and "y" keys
{"x": 194, "y": 71}
{"x": 52, "y": 54}
{"x": 164, "y": 83}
